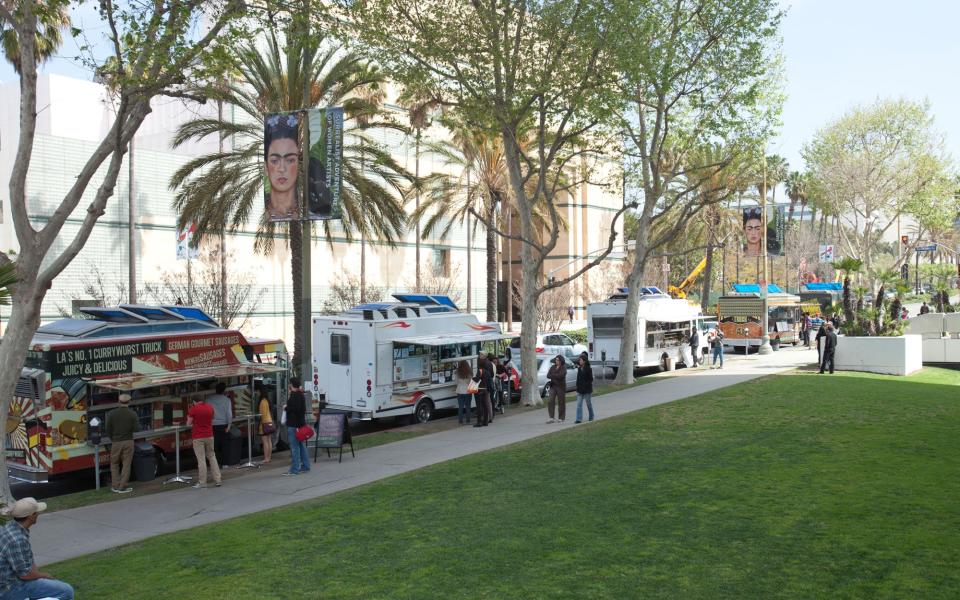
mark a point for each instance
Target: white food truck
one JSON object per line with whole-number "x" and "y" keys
{"x": 663, "y": 328}
{"x": 388, "y": 359}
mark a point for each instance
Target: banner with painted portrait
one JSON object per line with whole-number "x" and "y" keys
{"x": 284, "y": 136}
{"x": 754, "y": 230}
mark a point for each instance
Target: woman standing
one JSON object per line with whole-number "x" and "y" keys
{"x": 485, "y": 379}
{"x": 464, "y": 376}
{"x": 557, "y": 376}
{"x": 267, "y": 426}
{"x": 584, "y": 387}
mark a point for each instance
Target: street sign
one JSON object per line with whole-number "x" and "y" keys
{"x": 826, "y": 253}
{"x": 930, "y": 248}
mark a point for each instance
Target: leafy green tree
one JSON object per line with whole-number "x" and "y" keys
{"x": 690, "y": 72}
{"x": 217, "y": 188}
{"x": 877, "y": 163}
{"x": 514, "y": 68}
{"x": 156, "y": 49}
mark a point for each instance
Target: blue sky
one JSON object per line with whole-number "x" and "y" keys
{"x": 838, "y": 53}
{"x": 841, "y": 53}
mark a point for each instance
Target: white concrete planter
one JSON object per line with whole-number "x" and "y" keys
{"x": 889, "y": 355}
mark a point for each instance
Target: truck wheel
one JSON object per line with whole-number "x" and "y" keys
{"x": 423, "y": 411}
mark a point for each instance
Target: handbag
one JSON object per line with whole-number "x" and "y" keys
{"x": 283, "y": 416}
{"x": 473, "y": 387}
{"x": 268, "y": 428}
{"x": 304, "y": 433}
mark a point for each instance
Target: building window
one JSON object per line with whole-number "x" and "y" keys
{"x": 339, "y": 349}
{"x": 441, "y": 262}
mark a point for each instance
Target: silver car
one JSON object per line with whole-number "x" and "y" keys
{"x": 543, "y": 365}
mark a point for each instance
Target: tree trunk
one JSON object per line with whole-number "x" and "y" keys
{"x": 363, "y": 268}
{"x": 491, "y": 239}
{"x": 23, "y": 322}
{"x": 416, "y": 174}
{"x": 528, "y": 328}
{"x": 707, "y": 279}
{"x": 628, "y": 341}
{"x": 296, "y": 254}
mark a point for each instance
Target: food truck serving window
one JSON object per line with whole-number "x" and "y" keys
{"x": 339, "y": 349}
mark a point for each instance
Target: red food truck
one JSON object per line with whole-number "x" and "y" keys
{"x": 163, "y": 356}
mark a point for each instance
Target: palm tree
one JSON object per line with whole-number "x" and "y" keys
{"x": 848, "y": 266}
{"x": 777, "y": 171}
{"x": 887, "y": 278}
{"x": 226, "y": 188}
{"x": 51, "y": 19}
{"x": 477, "y": 157}
{"x": 896, "y": 305}
{"x": 797, "y": 192}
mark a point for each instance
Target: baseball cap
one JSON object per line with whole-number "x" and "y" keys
{"x": 124, "y": 399}
{"x": 24, "y": 507}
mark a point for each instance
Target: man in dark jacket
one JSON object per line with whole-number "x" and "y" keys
{"x": 821, "y": 333}
{"x": 122, "y": 423}
{"x": 584, "y": 387}
{"x": 484, "y": 377}
{"x": 557, "y": 394}
{"x": 694, "y": 347}
{"x": 829, "y": 348}
{"x": 297, "y": 417}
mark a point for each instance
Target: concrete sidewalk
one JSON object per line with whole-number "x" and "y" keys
{"x": 75, "y": 532}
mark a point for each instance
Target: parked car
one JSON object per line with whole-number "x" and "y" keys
{"x": 552, "y": 344}
{"x": 543, "y": 365}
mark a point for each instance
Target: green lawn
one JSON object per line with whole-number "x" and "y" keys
{"x": 793, "y": 486}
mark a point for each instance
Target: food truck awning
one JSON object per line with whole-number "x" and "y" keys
{"x": 138, "y": 381}
{"x": 456, "y": 338}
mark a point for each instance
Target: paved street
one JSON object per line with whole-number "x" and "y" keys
{"x": 75, "y": 532}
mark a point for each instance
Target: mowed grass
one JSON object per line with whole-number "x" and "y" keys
{"x": 795, "y": 486}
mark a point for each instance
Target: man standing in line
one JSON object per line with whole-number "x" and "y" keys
{"x": 821, "y": 333}
{"x": 924, "y": 309}
{"x": 19, "y": 577}
{"x": 222, "y": 419}
{"x": 570, "y": 313}
{"x": 829, "y": 348}
{"x": 716, "y": 346}
{"x": 297, "y": 417}
{"x": 200, "y": 416}
{"x": 122, "y": 423}
{"x": 695, "y": 346}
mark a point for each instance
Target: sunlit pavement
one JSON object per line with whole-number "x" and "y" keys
{"x": 70, "y": 533}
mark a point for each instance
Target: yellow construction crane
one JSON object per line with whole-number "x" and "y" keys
{"x": 680, "y": 291}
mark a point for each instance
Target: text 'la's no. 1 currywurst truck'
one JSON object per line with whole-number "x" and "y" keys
{"x": 389, "y": 359}
{"x": 165, "y": 357}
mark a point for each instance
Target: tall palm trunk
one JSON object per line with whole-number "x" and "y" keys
{"x": 363, "y": 268}
{"x": 491, "y": 239}
{"x": 416, "y": 174}
{"x": 847, "y": 300}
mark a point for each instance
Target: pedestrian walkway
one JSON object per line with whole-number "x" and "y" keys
{"x": 75, "y": 532}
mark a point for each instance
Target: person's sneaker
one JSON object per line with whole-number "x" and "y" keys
{"x": 125, "y": 490}
{"x": 218, "y": 484}
{"x": 292, "y": 473}
{"x": 550, "y": 421}
{"x": 198, "y": 486}
{"x": 577, "y": 422}
{"x": 560, "y": 421}
{"x": 116, "y": 491}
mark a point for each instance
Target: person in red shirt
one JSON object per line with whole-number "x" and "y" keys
{"x": 200, "y": 416}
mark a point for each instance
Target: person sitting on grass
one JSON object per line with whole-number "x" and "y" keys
{"x": 19, "y": 577}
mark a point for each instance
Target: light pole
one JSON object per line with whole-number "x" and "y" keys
{"x": 765, "y": 347}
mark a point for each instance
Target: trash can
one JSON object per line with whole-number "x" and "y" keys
{"x": 144, "y": 462}
{"x": 231, "y": 454}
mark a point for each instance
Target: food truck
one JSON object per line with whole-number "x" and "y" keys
{"x": 163, "y": 356}
{"x": 664, "y": 325}
{"x": 389, "y": 359}
{"x": 739, "y": 315}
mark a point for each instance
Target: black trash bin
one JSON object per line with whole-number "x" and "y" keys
{"x": 144, "y": 462}
{"x": 234, "y": 444}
